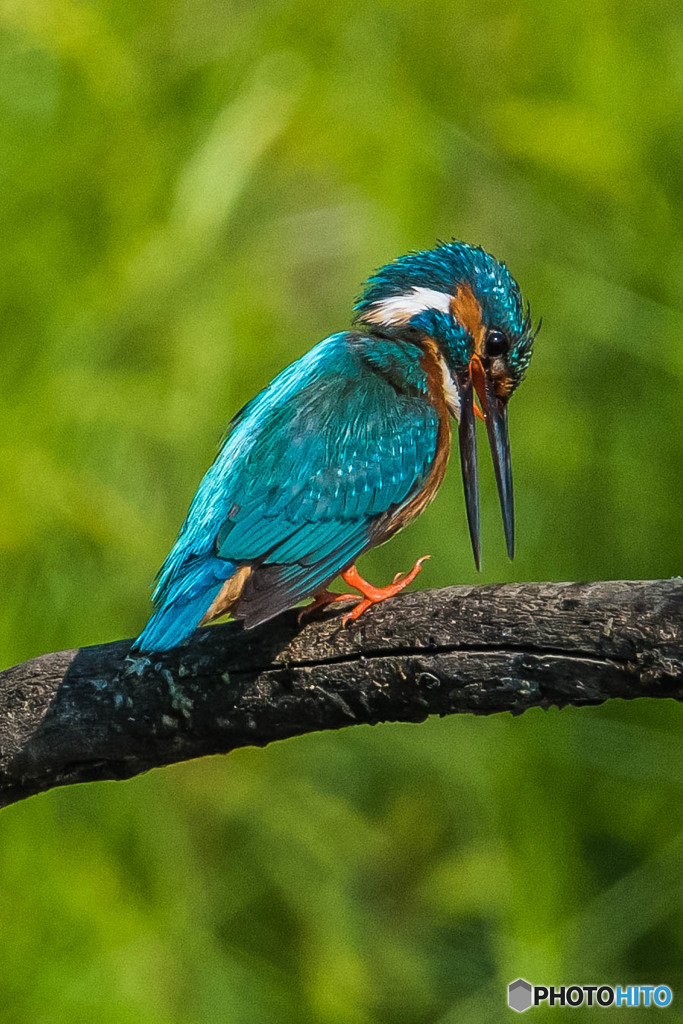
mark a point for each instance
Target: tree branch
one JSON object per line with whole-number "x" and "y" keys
{"x": 96, "y": 713}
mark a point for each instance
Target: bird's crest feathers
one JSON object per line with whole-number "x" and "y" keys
{"x": 420, "y": 288}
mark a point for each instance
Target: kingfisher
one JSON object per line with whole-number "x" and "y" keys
{"x": 349, "y": 444}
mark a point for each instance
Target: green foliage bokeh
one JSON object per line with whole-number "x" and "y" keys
{"x": 191, "y": 192}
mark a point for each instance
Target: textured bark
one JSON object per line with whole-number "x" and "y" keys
{"x": 96, "y": 713}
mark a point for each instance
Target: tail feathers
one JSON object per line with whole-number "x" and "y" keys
{"x": 186, "y": 600}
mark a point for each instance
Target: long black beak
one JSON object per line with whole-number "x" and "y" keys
{"x": 495, "y": 415}
{"x": 468, "y": 462}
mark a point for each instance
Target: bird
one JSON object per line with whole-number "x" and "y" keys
{"x": 349, "y": 444}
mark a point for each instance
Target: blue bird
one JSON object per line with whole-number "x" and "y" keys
{"x": 349, "y": 444}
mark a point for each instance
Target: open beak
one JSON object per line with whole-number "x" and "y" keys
{"x": 495, "y": 416}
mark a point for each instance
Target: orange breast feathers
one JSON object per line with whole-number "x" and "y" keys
{"x": 432, "y": 362}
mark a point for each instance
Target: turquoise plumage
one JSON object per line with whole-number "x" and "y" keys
{"x": 308, "y": 471}
{"x": 338, "y": 452}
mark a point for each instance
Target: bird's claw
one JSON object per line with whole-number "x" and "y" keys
{"x": 375, "y": 595}
{"x": 321, "y": 601}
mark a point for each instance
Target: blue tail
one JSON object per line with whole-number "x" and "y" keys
{"x": 184, "y": 603}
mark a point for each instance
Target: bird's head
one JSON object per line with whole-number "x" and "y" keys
{"x": 471, "y": 308}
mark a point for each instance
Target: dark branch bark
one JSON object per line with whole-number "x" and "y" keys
{"x": 95, "y": 713}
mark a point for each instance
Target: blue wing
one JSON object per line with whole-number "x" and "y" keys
{"x": 308, "y": 475}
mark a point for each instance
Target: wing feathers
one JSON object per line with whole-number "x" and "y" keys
{"x": 310, "y": 469}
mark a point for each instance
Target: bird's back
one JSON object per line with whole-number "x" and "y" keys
{"x": 313, "y": 471}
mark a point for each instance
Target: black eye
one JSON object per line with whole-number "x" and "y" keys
{"x": 496, "y": 343}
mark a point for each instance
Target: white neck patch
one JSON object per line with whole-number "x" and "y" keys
{"x": 399, "y": 309}
{"x": 450, "y": 390}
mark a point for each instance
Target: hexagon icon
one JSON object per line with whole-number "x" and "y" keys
{"x": 519, "y": 995}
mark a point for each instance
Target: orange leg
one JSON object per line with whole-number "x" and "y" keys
{"x": 322, "y": 600}
{"x": 369, "y": 595}
{"x": 373, "y": 595}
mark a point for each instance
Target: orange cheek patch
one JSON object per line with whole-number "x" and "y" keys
{"x": 467, "y": 311}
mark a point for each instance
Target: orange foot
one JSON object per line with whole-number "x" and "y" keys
{"x": 374, "y": 595}
{"x": 322, "y": 600}
{"x": 369, "y": 595}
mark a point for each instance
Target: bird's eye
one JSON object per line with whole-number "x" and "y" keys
{"x": 496, "y": 343}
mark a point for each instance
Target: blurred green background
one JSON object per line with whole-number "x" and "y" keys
{"x": 191, "y": 192}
